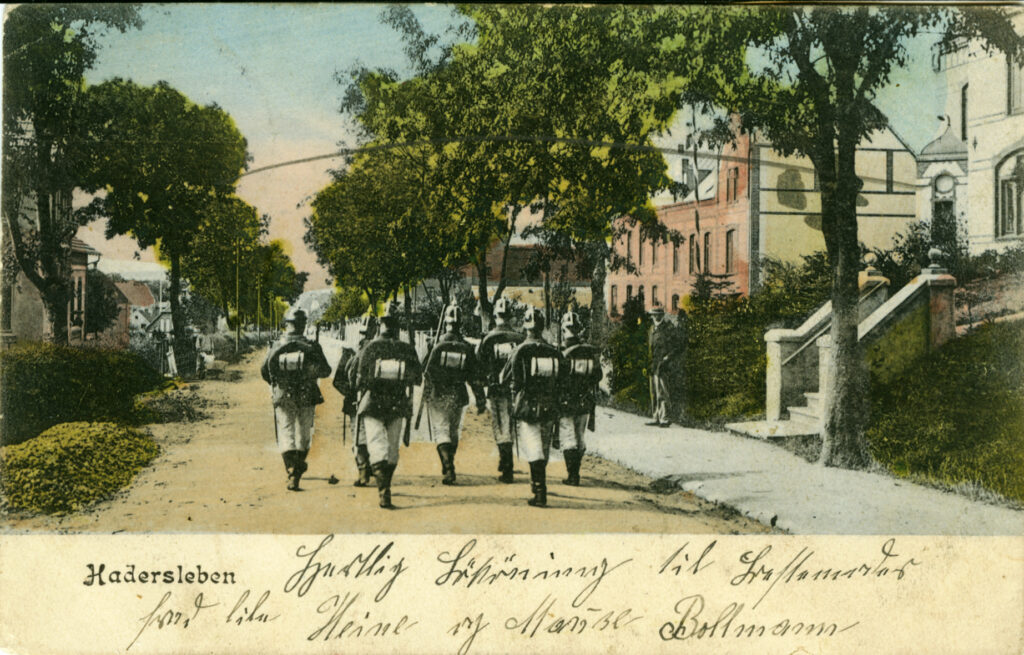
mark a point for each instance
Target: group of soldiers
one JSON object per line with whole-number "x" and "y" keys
{"x": 538, "y": 396}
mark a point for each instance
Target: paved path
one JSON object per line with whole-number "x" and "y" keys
{"x": 776, "y": 487}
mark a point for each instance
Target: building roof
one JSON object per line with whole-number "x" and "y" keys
{"x": 77, "y": 245}
{"x": 137, "y": 293}
{"x": 947, "y": 146}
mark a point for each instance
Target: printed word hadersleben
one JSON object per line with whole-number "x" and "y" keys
{"x": 99, "y": 576}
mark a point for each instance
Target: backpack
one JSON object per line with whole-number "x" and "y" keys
{"x": 538, "y": 399}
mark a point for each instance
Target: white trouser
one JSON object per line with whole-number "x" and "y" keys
{"x": 570, "y": 432}
{"x": 382, "y": 437}
{"x": 501, "y": 418}
{"x": 294, "y": 426}
{"x": 444, "y": 421}
{"x": 358, "y": 431}
{"x": 660, "y": 400}
{"x": 535, "y": 438}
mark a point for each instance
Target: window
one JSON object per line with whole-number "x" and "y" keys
{"x": 640, "y": 295}
{"x": 732, "y": 184}
{"x": 1010, "y": 195}
{"x": 675, "y": 302}
{"x": 629, "y": 292}
{"x": 963, "y": 113}
{"x": 654, "y": 295}
{"x": 640, "y": 251}
{"x": 888, "y": 171}
{"x": 654, "y": 253}
{"x": 707, "y": 252}
{"x": 615, "y": 299}
{"x": 629, "y": 247}
{"x": 693, "y": 253}
{"x": 1014, "y": 86}
{"x": 675, "y": 257}
{"x": 730, "y": 250}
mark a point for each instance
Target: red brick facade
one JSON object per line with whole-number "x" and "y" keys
{"x": 665, "y": 272}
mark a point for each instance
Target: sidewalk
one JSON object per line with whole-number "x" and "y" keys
{"x": 774, "y": 486}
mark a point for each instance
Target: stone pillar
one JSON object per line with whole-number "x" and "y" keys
{"x": 825, "y": 374}
{"x": 781, "y": 344}
{"x": 874, "y": 288}
{"x": 941, "y": 303}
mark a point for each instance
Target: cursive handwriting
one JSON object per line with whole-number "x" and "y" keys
{"x": 799, "y": 569}
{"x": 241, "y": 613}
{"x": 474, "y": 625}
{"x": 163, "y": 616}
{"x": 676, "y": 562}
{"x": 470, "y": 570}
{"x": 361, "y": 625}
{"x": 545, "y": 619}
{"x": 690, "y": 625}
{"x": 362, "y": 565}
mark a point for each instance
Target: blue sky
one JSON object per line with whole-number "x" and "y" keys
{"x": 272, "y": 68}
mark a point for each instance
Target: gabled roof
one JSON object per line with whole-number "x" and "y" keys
{"x": 77, "y": 245}
{"x": 137, "y": 293}
{"x": 948, "y": 146}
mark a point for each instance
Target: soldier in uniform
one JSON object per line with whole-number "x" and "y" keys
{"x": 383, "y": 375}
{"x": 660, "y": 341}
{"x": 534, "y": 373}
{"x": 367, "y": 330}
{"x": 492, "y": 354}
{"x": 449, "y": 367}
{"x": 292, "y": 367}
{"x": 583, "y": 374}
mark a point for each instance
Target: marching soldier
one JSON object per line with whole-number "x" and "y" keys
{"x": 582, "y": 374}
{"x": 292, "y": 367}
{"x": 367, "y": 330}
{"x": 660, "y": 342}
{"x": 534, "y": 373}
{"x": 383, "y": 375}
{"x": 450, "y": 366}
{"x": 492, "y": 354}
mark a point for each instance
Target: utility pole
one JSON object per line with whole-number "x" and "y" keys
{"x": 259, "y": 313}
{"x": 238, "y": 310}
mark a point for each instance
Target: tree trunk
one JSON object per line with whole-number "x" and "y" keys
{"x": 598, "y": 311}
{"x": 55, "y": 299}
{"x": 177, "y": 320}
{"x": 408, "y": 312}
{"x": 486, "y": 309}
{"x": 844, "y": 443}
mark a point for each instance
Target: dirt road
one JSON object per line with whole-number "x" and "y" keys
{"x": 224, "y": 474}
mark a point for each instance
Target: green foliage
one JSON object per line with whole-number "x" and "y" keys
{"x": 346, "y": 303}
{"x": 101, "y": 308}
{"x": 957, "y": 416}
{"x": 42, "y": 385}
{"x": 628, "y": 351}
{"x": 74, "y": 464}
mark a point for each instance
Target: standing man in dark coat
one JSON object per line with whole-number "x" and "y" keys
{"x": 492, "y": 354}
{"x": 450, "y": 367}
{"x": 367, "y": 330}
{"x": 292, "y": 367}
{"x": 535, "y": 374}
{"x": 662, "y": 342}
{"x": 583, "y": 374}
{"x": 383, "y": 376}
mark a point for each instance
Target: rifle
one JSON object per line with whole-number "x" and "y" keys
{"x": 423, "y": 395}
{"x": 592, "y": 419}
{"x": 408, "y": 422}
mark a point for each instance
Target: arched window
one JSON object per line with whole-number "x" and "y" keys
{"x": 640, "y": 252}
{"x": 675, "y": 302}
{"x": 615, "y": 300}
{"x": 693, "y": 253}
{"x": 629, "y": 292}
{"x": 1010, "y": 195}
{"x": 654, "y": 295}
{"x": 707, "y": 252}
{"x": 675, "y": 258}
{"x": 730, "y": 251}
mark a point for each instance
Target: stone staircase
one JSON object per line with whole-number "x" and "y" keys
{"x": 893, "y": 330}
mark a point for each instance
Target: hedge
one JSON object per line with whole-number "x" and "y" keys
{"x": 957, "y": 416}
{"x": 73, "y": 464}
{"x": 42, "y": 385}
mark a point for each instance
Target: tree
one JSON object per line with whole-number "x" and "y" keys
{"x": 346, "y": 302}
{"x": 47, "y": 49}
{"x": 808, "y": 84}
{"x": 102, "y": 306}
{"x": 160, "y": 160}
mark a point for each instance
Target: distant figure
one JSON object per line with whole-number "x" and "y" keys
{"x": 383, "y": 376}
{"x": 450, "y": 366}
{"x": 660, "y": 340}
{"x": 534, "y": 373}
{"x": 582, "y": 375}
{"x": 292, "y": 367}
{"x": 493, "y": 353}
{"x": 344, "y": 372}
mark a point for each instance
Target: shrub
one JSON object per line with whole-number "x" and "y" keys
{"x": 42, "y": 385}
{"x": 73, "y": 464}
{"x": 957, "y": 416}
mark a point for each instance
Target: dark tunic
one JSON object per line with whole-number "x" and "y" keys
{"x": 445, "y": 385}
{"x": 315, "y": 364}
{"x": 490, "y": 363}
{"x": 385, "y": 400}
{"x": 535, "y": 398}
{"x": 579, "y": 393}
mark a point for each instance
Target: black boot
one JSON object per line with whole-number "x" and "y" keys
{"x": 538, "y": 484}
{"x": 363, "y": 464}
{"x": 382, "y": 470}
{"x": 289, "y": 466}
{"x": 505, "y": 463}
{"x": 572, "y": 466}
{"x": 447, "y": 454}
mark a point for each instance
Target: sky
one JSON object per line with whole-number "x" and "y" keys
{"x": 272, "y": 68}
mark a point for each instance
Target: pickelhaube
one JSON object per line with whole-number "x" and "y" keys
{"x": 452, "y": 315}
{"x": 367, "y": 324}
{"x": 534, "y": 319}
